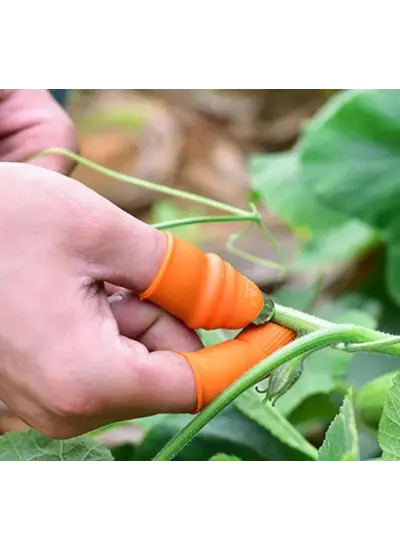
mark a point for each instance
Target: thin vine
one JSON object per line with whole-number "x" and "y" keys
{"x": 237, "y": 214}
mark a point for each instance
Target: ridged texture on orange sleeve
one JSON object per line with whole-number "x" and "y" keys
{"x": 203, "y": 290}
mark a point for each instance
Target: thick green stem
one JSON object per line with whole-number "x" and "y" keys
{"x": 370, "y": 340}
{"x": 305, "y": 344}
{"x": 298, "y": 320}
{"x": 145, "y": 184}
{"x": 324, "y": 334}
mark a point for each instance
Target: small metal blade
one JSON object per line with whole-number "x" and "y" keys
{"x": 267, "y": 311}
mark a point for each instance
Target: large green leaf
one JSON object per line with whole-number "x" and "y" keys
{"x": 331, "y": 237}
{"x": 341, "y": 440}
{"x": 32, "y": 446}
{"x": 350, "y": 160}
{"x": 231, "y": 433}
{"x": 389, "y": 425}
{"x": 265, "y": 415}
{"x": 350, "y": 155}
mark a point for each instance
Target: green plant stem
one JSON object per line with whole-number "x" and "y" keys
{"x": 298, "y": 320}
{"x": 234, "y": 238}
{"x": 370, "y": 340}
{"x": 323, "y": 334}
{"x": 378, "y": 345}
{"x": 146, "y": 184}
{"x": 202, "y": 219}
{"x": 305, "y": 344}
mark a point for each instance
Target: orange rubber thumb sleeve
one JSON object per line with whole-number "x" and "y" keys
{"x": 217, "y": 367}
{"x": 202, "y": 290}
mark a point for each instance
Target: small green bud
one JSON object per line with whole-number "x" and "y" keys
{"x": 283, "y": 378}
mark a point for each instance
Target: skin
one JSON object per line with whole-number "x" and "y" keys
{"x": 75, "y": 354}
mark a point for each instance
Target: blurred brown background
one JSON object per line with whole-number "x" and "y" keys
{"x": 197, "y": 140}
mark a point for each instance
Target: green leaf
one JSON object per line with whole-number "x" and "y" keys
{"x": 389, "y": 425}
{"x": 350, "y": 160}
{"x": 331, "y": 237}
{"x": 316, "y": 410}
{"x": 32, "y": 446}
{"x": 275, "y": 180}
{"x": 340, "y": 245}
{"x": 268, "y": 417}
{"x": 370, "y": 399}
{"x": 231, "y": 433}
{"x": 222, "y": 456}
{"x": 350, "y": 155}
{"x": 341, "y": 440}
{"x": 393, "y": 261}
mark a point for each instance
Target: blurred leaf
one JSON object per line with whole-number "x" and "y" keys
{"x": 350, "y": 155}
{"x": 330, "y": 235}
{"x": 222, "y": 456}
{"x": 231, "y": 433}
{"x": 350, "y": 305}
{"x": 299, "y": 298}
{"x": 275, "y": 181}
{"x": 350, "y": 159}
{"x": 393, "y": 261}
{"x": 119, "y": 117}
{"x": 268, "y": 417}
{"x": 341, "y": 440}
{"x": 32, "y": 446}
{"x": 342, "y": 244}
{"x": 370, "y": 399}
{"x": 389, "y": 425}
{"x": 318, "y": 409}
{"x": 167, "y": 211}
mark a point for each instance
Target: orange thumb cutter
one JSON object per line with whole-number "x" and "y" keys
{"x": 206, "y": 292}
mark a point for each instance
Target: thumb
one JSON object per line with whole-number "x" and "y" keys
{"x": 165, "y": 381}
{"x": 143, "y": 383}
{"x": 200, "y": 289}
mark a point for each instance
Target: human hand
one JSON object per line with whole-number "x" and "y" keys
{"x": 30, "y": 121}
{"x": 72, "y": 359}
